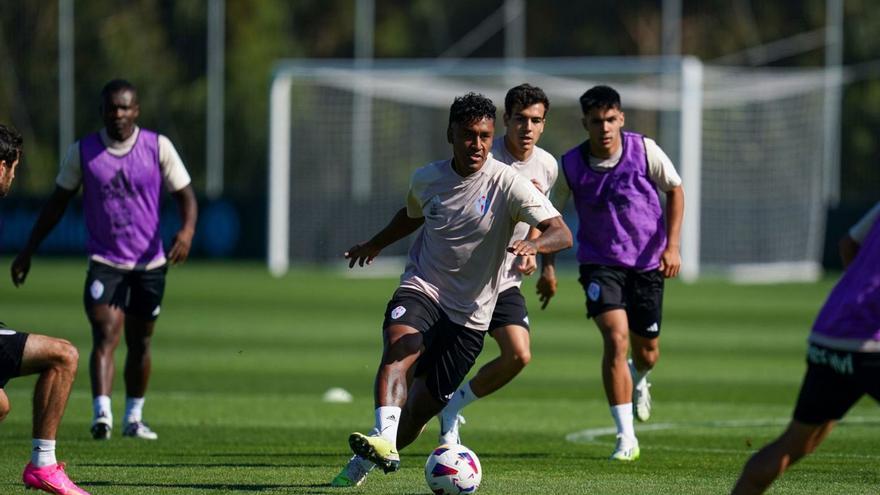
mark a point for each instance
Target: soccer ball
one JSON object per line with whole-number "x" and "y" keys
{"x": 453, "y": 470}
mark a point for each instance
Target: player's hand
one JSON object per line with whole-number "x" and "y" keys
{"x": 361, "y": 253}
{"x": 527, "y": 265}
{"x": 20, "y": 268}
{"x": 670, "y": 262}
{"x": 523, "y": 247}
{"x": 180, "y": 247}
{"x": 546, "y": 286}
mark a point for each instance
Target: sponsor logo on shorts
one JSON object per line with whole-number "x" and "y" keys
{"x": 840, "y": 362}
{"x": 96, "y": 289}
{"x": 397, "y": 312}
{"x": 156, "y": 311}
{"x": 526, "y": 319}
{"x": 593, "y": 291}
{"x": 654, "y": 328}
{"x": 7, "y": 332}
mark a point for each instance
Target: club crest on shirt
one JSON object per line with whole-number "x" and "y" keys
{"x": 397, "y": 312}
{"x": 482, "y": 204}
{"x": 593, "y": 291}
{"x": 96, "y": 289}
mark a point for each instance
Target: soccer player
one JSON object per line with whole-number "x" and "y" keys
{"x": 436, "y": 320}
{"x": 525, "y": 111}
{"x": 121, "y": 169}
{"x": 55, "y": 360}
{"x": 843, "y": 360}
{"x": 625, "y": 249}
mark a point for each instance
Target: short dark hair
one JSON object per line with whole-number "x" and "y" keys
{"x": 115, "y": 86}
{"x": 525, "y": 95}
{"x": 469, "y": 108}
{"x": 10, "y": 144}
{"x": 601, "y": 97}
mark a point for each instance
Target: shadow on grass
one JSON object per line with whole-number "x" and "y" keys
{"x": 228, "y": 487}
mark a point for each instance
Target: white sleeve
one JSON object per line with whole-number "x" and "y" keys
{"x": 70, "y": 174}
{"x": 173, "y": 171}
{"x": 660, "y": 168}
{"x": 860, "y": 230}
{"x": 527, "y": 204}
{"x": 560, "y": 193}
{"x": 552, "y": 175}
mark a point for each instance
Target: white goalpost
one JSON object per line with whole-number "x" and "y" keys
{"x": 747, "y": 142}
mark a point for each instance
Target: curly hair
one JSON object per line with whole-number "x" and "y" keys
{"x": 115, "y": 86}
{"x": 601, "y": 97}
{"x": 525, "y": 95}
{"x": 469, "y": 108}
{"x": 10, "y": 144}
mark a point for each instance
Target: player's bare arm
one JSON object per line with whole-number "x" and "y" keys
{"x": 401, "y": 225}
{"x": 554, "y": 237}
{"x": 546, "y": 285}
{"x": 670, "y": 260}
{"x": 49, "y": 217}
{"x": 187, "y": 207}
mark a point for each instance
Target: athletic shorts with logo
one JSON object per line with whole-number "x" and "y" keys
{"x": 138, "y": 292}
{"x": 510, "y": 309}
{"x": 11, "y": 353}
{"x": 834, "y": 382}
{"x": 639, "y": 293}
{"x": 450, "y": 349}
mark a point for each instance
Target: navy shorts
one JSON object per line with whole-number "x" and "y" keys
{"x": 138, "y": 292}
{"x": 510, "y": 309}
{"x": 450, "y": 349}
{"x": 639, "y": 293}
{"x": 834, "y": 382}
{"x": 11, "y": 354}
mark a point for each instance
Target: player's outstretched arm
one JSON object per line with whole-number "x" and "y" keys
{"x": 670, "y": 259}
{"x": 401, "y": 225}
{"x": 188, "y": 208}
{"x": 51, "y": 213}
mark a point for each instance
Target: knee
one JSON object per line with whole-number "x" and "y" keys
{"x": 616, "y": 344}
{"x": 4, "y": 409}
{"x": 518, "y": 358}
{"x": 68, "y": 356}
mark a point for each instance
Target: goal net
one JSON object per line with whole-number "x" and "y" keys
{"x": 344, "y": 140}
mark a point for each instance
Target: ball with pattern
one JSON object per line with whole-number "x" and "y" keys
{"x": 453, "y": 470}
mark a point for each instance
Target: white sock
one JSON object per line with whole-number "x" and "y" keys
{"x": 44, "y": 453}
{"x": 623, "y": 419}
{"x": 387, "y": 419}
{"x": 638, "y": 377}
{"x": 134, "y": 409}
{"x": 461, "y": 398}
{"x": 101, "y": 407}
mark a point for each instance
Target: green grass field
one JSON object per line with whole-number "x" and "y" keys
{"x": 241, "y": 361}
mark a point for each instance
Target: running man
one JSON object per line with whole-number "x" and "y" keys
{"x": 121, "y": 170}
{"x": 55, "y": 360}
{"x": 525, "y": 112}
{"x": 436, "y": 320}
{"x": 843, "y": 360}
{"x": 625, "y": 250}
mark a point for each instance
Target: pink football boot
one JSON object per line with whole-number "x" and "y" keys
{"x": 50, "y": 479}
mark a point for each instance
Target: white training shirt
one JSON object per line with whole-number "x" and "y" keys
{"x": 458, "y": 253}
{"x": 540, "y": 167}
{"x": 661, "y": 172}
{"x": 860, "y": 230}
{"x": 174, "y": 173}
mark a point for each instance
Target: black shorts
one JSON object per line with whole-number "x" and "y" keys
{"x": 834, "y": 382}
{"x": 138, "y": 292}
{"x": 450, "y": 349}
{"x": 510, "y": 309}
{"x": 639, "y": 293}
{"x": 11, "y": 354}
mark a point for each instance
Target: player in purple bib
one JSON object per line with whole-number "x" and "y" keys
{"x": 626, "y": 247}
{"x": 843, "y": 360}
{"x": 122, "y": 169}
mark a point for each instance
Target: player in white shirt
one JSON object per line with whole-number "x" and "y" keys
{"x": 525, "y": 111}
{"x": 435, "y": 322}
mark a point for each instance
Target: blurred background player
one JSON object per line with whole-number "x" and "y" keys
{"x": 121, "y": 169}
{"x": 525, "y": 112}
{"x": 624, "y": 250}
{"x": 55, "y": 360}
{"x": 843, "y": 360}
{"x": 437, "y": 318}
